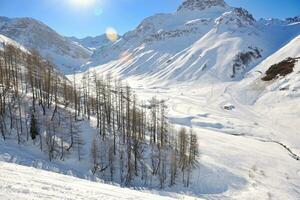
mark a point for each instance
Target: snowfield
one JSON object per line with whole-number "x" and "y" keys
{"x": 19, "y": 182}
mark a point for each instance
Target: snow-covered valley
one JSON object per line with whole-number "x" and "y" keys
{"x": 231, "y": 80}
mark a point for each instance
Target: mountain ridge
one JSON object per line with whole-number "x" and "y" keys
{"x": 201, "y": 4}
{"x": 179, "y": 47}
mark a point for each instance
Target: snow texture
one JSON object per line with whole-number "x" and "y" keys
{"x": 19, "y": 182}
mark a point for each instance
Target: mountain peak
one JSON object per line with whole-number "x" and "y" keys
{"x": 238, "y": 17}
{"x": 201, "y": 4}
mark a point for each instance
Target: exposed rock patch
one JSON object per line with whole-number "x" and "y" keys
{"x": 282, "y": 68}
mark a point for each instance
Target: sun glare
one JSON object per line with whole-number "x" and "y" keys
{"x": 82, "y": 3}
{"x": 112, "y": 34}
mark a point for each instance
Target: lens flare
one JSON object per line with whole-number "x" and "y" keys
{"x": 112, "y": 34}
{"x": 98, "y": 11}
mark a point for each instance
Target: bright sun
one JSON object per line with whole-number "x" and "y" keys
{"x": 82, "y": 3}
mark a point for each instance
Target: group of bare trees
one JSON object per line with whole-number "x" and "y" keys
{"x": 135, "y": 142}
{"x": 34, "y": 102}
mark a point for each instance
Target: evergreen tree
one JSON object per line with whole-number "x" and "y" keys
{"x": 33, "y": 127}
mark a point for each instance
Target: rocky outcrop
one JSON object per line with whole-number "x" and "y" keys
{"x": 200, "y": 4}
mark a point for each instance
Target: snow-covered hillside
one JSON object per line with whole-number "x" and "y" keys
{"x": 33, "y": 34}
{"x": 19, "y": 182}
{"x": 201, "y": 39}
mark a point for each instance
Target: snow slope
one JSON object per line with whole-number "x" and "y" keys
{"x": 34, "y": 34}
{"x": 201, "y": 40}
{"x": 19, "y": 182}
{"x": 6, "y": 40}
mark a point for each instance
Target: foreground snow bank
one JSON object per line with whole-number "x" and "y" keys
{"x": 19, "y": 182}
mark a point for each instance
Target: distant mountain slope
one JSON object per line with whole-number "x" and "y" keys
{"x": 92, "y": 43}
{"x": 33, "y": 34}
{"x": 201, "y": 39}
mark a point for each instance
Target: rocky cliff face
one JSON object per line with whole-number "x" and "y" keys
{"x": 293, "y": 19}
{"x": 237, "y": 17}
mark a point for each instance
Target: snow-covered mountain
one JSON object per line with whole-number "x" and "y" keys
{"x": 92, "y": 43}
{"x": 31, "y": 33}
{"x": 202, "y": 38}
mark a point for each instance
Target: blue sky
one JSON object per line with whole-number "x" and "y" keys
{"x": 91, "y": 17}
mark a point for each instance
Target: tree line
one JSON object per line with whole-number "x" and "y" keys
{"x": 135, "y": 142}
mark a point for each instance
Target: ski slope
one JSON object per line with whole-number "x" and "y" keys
{"x": 19, "y": 182}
